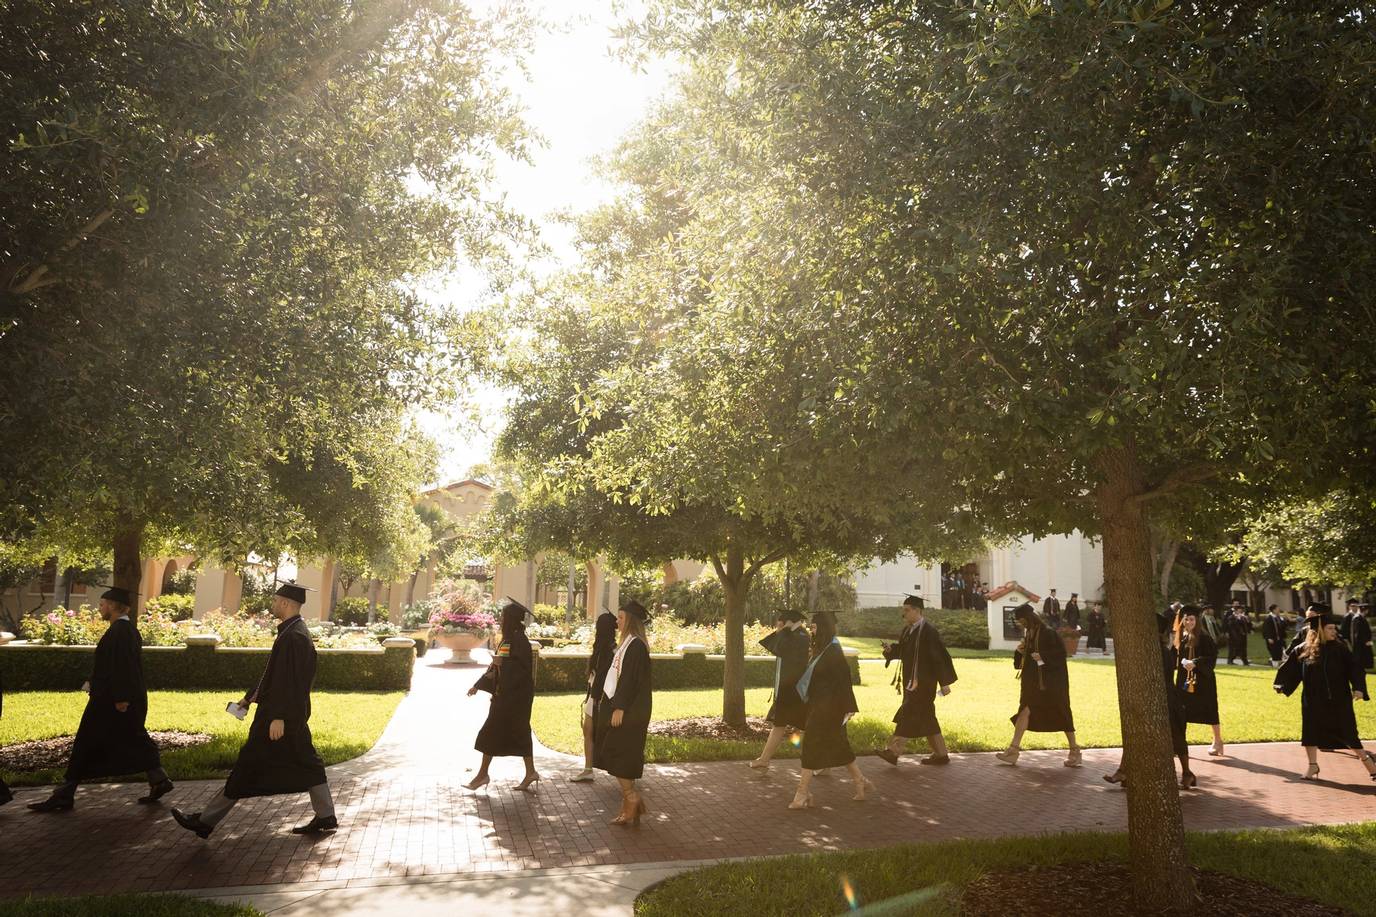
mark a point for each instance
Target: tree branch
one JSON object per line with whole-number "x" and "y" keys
{"x": 1181, "y": 477}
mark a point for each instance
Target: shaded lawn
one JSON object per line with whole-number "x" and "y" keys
{"x": 124, "y": 906}
{"x": 869, "y": 648}
{"x": 343, "y": 724}
{"x": 974, "y": 717}
{"x": 1332, "y": 864}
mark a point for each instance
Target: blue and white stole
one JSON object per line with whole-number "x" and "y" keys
{"x": 805, "y": 681}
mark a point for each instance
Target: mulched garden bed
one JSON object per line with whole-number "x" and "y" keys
{"x": 47, "y": 753}
{"x": 1097, "y": 889}
{"x": 708, "y": 727}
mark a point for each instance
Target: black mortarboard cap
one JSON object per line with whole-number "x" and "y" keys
{"x": 1318, "y": 621}
{"x": 116, "y": 594}
{"x": 293, "y": 592}
{"x": 632, "y": 607}
{"x": 1321, "y": 607}
{"x": 914, "y": 601}
{"x": 792, "y": 615}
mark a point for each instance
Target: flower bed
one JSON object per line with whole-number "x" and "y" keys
{"x": 83, "y": 627}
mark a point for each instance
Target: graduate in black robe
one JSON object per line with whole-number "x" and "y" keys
{"x": 1071, "y": 615}
{"x": 1332, "y": 680}
{"x": 511, "y": 681}
{"x": 1193, "y": 676}
{"x": 1355, "y": 630}
{"x": 924, "y": 668}
{"x": 599, "y": 662}
{"x": 279, "y": 757}
{"x": 1044, "y": 692}
{"x": 1239, "y": 625}
{"x": 5, "y": 794}
{"x": 112, "y": 738}
{"x": 826, "y": 689}
{"x": 1174, "y": 709}
{"x": 789, "y": 643}
{"x": 1051, "y": 610}
{"x": 1274, "y": 629}
{"x": 1096, "y": 629}
{"x": 623, "y": 716}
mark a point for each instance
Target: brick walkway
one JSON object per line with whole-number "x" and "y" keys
{"x": 405, "y": 813}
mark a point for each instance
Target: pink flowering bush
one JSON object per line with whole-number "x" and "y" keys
{"x": 83, "y": 627}
{"x": 461, "y": 607}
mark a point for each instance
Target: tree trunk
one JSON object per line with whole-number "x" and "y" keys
{"x": 1168, "y": 555}
{"x": 411, "y": 588}
{"x": 814, "y": 591}
{"x": 374, "y": 588}
{"x": 734, "y": 586}
{"x": 1156, "y": 830}
{"x": 573, "y": 584}
{"x": 128, "y": 558}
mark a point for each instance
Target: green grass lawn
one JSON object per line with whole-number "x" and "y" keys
{"x": 1332, "y": 864}
{"x": 974, "y": 717}
{"x": 869, "y": 648}
{"x": 344, "y": 725}
{"x": 124, "y": 906}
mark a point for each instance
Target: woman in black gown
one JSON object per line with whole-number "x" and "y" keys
{"x": 1044, "y": 694}
{"x": 1096, "y": 629}
{"x": 623, "y": 716}
{"x": 1165, "y": 634}
{"x": 1332, "y": 680}
{"x": 826, "y": 689}
{"x": 790, "y": 645}
{"x": 1194, "y": 678}
{"x": 511, "y": 680}
{"x": 603, "y": 648}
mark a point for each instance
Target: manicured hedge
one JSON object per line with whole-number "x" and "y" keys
{"x": 959, "y": 627}
{"x": 57, "y": 668}
{"x": 563, "y": 672}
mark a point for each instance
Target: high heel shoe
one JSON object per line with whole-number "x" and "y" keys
{"x": 478, "y": 782}
{"x": 803, "y": 803}
{"x": 638, "y": 808}
{"x": 1008, "y": 756}
{"x": 530, "y": 784}
{"x": 860, "y": 791}
{"x": 1188, "y": 780}
{"x": 624, "y": 815}
{"x": 762, "y": 769}
{"x": 1115, "y": 777}
{"x": 1310, "y": 773}
{"x": 1074, "y": 759}
{"x": 1370, "y": 761}
{"x": 1217, "y": 750}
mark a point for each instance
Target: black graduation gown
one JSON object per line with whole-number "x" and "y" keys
{"x": 620, "y": 750}
{"x": 1096, "y": 631}
{"x": 1174, "y": 708}
{"x": 790, "y": 649}
{"x": 109, "y": 743}
{"x": 1328, "y": 720}
{"x": 291, "y": 764}
{"x": 599, "y": 663}
{"x": 1045, "y": 688}
{"x": 1239, "y": 626}
{"x": 1355, "y": 629}
{"x": 1072, "y": 613}
{"x": 925, "y": 662}
{"x": 830, "y": 698}
{"x": 1273, "y": 628}
{"x": 1200, "y": 705}
{"x": 511, "y": 680}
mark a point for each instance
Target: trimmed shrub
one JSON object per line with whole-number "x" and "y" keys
{"x": 962, "y": 628}
{"x": 63, "y": 668}
{"x": 176, "y": 606}
{"x": 350, "y": 611}
{"x": 568, "y": 672}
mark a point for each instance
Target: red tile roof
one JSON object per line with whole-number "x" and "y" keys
{"x": 1012, "y": 586}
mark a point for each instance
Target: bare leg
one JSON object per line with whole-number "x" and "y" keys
{"x": 587, "y": 743}
{"x": 938, "y": 743}
{"x": 1218, "y": 740}
{"x": 1020, "y": 727}
{"x": 1073, "y": 758}
{"x": 861, "y": 784}
{"x": 771, "y": 745}
{"x": 1313, "y": 754}
{"x": 531, "y": 776}
{"x": 480, "y": 778}
{"x": 627, "y": 788}
{"x": 803, "y": 797}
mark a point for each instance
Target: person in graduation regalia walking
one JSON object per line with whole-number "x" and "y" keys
{"x": 1332, "y": 679}
{"x": 1273, "y": 631}
{"x": 1355, "y": 630}
{"x": 112, "y": 738}
{"x": 924, "y": 668}
{"x": 1044, "y": 692}
{"x": 623, "y": 717}
{"x": 511, "y": 682}
{"x": 826, "y": 689}
{"x": 787, "y": 714}
{"x": 599, "y": 663}
{"x": 279, "y": 757}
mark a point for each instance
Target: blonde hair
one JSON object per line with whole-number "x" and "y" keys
{"x": 635, "y": 627}
{"x": 1314, "y": 641}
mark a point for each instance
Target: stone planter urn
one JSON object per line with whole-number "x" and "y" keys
{"x": 460, "y": 645}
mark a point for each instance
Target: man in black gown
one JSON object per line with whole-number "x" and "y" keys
{"x": 924, "y": 665}
{"x": 1239, "y": 625}
{"x": 1355, "y": 630}
{"x": 1273, "y": 630}
{"x": 112, "y": 738}
{"x": 1051, "y": 610}
{"x": 279, "y": 757}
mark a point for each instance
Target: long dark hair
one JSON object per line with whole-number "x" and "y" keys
{"x": 823, "y": 631}
{"x": 513, "y": 619}
{"x": 603, "y": 640}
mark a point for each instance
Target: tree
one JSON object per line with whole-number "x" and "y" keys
{"x": 1093, "y": 253}
{"x": 213, "y": 215}
{"x": 1328, "y": 539}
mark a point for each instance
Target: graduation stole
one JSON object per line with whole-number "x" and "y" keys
{"x": 1030, "y": 642}
{"x": 805, "y": 681}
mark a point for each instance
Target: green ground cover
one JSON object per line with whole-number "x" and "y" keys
{"x": 344, "y": 725}
{"x": 124, "y": 906}
{"x": 974, "y": 717}
{"x": 1332, "y": 864}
